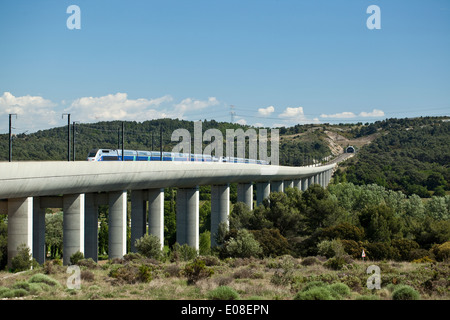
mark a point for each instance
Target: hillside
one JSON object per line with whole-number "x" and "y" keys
{"x": 409, "y": 155}
{"x": 51, "y": 144}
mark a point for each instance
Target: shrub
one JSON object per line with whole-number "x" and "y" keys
{"x": 87, "y": 275}
{"x": 339, "y": 290}
{"x": 352, "y": 248}
{"x": 23, "y": 259}
{"x": 149, "y": 246}
{"x": 88, "y": 263}
{"x": 285, "y": 275}
{"x": 309, "y": 261}
{"x": 418, "y": 254}
{"x": 13, "y": 293}
{"x": 243, "y": 246}
{"x": 172, "y": 270}
{"x": 223, "y": 293}
{"x": 77, "y": 256}
{"x": 343, "y": 231}
{"x": 182, "y": 253}
{"x": 131, "y": 273}
{"x": 315, "y": 293}
{"x": 404, "y": 292}
{"x": 335, "y": 263}
{"x": 380, "y": 251}
{"x": 404, "y": 248}
{"x": 313, "y": 284}
{"x": 42, "y": 278}
{"x": 197, "y": 270}
{"x": 205, "y": 243}
{"x": 441, "y": 251}
{"x": 145, "y": 273}
{"x": 271, "y": 241}
{"x": 330, "y": 248}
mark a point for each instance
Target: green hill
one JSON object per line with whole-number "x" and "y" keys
{"x": 409, "y": 155}
{"x": 51, "y": 144}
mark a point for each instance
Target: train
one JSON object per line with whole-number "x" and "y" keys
{"x": 141, "y": 155}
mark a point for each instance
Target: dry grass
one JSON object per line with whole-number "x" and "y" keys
{"x": 267, "y": 279}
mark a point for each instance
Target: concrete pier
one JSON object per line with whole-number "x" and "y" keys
{"x": 138, "y": 217}
{"x": 245, "y": 194}
{"x": 117, "y": 224}
{"x": 20, "y": 225}
{"x": 39, "y": 250}
{"x": 289, "y": 184}
{"x": 73, "y": 225}
{"x": 262, "y": 191}
{"x": 188, "y": 216}
{"x": 155, "y": 199}
{"x": 220, "y": 208}
{"x": 90, "y": 226}
{"x": 276, "y": 186}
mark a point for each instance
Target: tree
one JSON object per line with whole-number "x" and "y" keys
{"x": 380, "y": 223}
{"x": 243, "y": 246}
{"x": 54, "y": 234}
{"x": 149, "y": 246}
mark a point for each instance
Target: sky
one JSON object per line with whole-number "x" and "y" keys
{"x": 259, "y": 62}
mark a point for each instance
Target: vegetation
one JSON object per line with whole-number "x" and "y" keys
{"x": 295, "y": 245}
{"x": 411, "y": 156}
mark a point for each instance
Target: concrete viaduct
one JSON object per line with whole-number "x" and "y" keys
{"x": 27, "y": 188}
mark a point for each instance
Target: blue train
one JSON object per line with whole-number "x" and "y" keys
{"x": 139, "y": 155}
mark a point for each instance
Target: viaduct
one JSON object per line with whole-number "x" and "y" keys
{"x": 28, "y": 188}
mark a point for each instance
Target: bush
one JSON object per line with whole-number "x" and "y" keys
{"x": 145, "y": 273}
{"x": 77, "y": 256}
{"x": 272, "y": 242}
{"x": 404, "y": 248}
{"x": 380, "y": 251}
{"x": 243, "y": 246}
{"x": 315, "y": 293}
{"x": 14, "y": 293}
{"x": 42, "y": 278}
{"x": 87, "y": 275}
{"x": 205, "y": 243}
{"x": 330, "y": 248}
{"x": 23, "y": 259}
{"x": 343, "y": 231}
{"x": 441, "y": 251}
{"x": 335, "y": 263}
{"x": 339, "y": 290}
{"x": 352, "y": 248}
{"x": 197, "y": 270}
{"x": 149, "y": 246}
{"x": 130, "y": 273}
{"x": 88, "y": 263}
{"x": 404, "y": 292}
{"x": 223, "y": 293}
{"x": 309, "y": 261}
{"x": 182, "y": 253}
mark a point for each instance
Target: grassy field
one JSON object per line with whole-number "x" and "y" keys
{"x": 282, "y": 278}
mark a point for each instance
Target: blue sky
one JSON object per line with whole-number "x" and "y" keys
{"x": 278, "y": 62}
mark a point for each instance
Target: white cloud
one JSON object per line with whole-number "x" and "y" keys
{"x": 342, "y": 115}
{"x": 117, "y": 107}
{"x": 266, "y": 111}
{"x": 350, "y": 115}
{"x": 31, "y": 111}
{"x": 190, "y": 104}
{"x": 242, "y": 122}
{"x": 374, "y": 113}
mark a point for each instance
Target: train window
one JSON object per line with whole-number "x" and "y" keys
{"x": 92, "y": 153}
{"x": 105, "y": 151}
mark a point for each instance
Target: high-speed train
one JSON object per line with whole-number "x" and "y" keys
{"x": 139, "y": 155}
